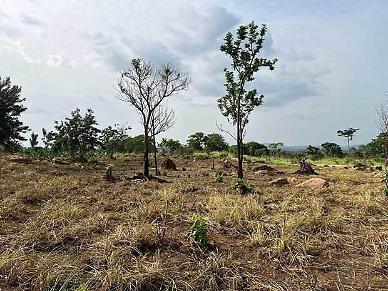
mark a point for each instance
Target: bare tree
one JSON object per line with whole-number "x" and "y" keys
{"x": 382, "y": 114}
{"x": 162, "y": 120}
{"x": 145, "y": 87}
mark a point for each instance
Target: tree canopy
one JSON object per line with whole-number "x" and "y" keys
{"x": 169, "y": 146}
{"x": 332, "y": 149}
{"x": 11, "y": 107}
{"x": 244, "y": 50}
{"x": 348, "y": 134}
{"x": 196, "y": 141}
{"x": 76, "y": 134}
{"x": 215, "y": 142}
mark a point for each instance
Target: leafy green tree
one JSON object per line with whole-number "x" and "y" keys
{"x": 255, "y": 149}
{"x": 275, "y": 148}
{"x": 332, "y": 149}
{"x": 76, "y": 135}
{"x": 136, "y": 144}
{"x": 146, "y": 87}
{"x": 33, "y": 140}
{"x": 170, "y": 146}
{"x": 313, "y": 151}
{"x": 196, "y": 141}
{"x": 215, "y": 142}
{"x": 244, "y": 50}
{"x": 11, "y": 128}
{"x": 375, "y": 148}
{"x": 44, "y": 138}
{"x": 348, "y": 134}
{"x": 113, "y": 139}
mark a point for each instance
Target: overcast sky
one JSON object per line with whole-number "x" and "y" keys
{"x": 332, "y": 71}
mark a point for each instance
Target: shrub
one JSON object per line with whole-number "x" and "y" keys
{"x": 198, "y": 231}
{"x": 245, "y": 186}
{"x": 219, "y": 177}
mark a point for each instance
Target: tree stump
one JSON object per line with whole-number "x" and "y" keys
{"x": 305, "y": 168}
{"x": 109, "y": 174}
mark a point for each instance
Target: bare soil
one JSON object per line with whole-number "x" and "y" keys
{"x": 65, "y": 226}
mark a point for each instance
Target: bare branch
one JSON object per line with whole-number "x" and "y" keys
{"x": 219, "y": 126}
{"x": 162, "y": 120}
{"x": 145, "y": 88}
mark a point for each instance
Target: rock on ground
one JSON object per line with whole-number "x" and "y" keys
{"x": 60, "y": 162}
{"x": 314, "y": 183}
{"x": 266, "y": 170}
{"x": 263, "y": 168}
{"x": 292, "y": 180}
{"x": 279, "y": 182}
{"x": 360, "y": 166}
{"x": 20, "y": 159}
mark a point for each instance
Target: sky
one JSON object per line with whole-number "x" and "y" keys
{"x": 331, "y": 74}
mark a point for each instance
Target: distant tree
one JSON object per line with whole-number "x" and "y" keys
{"x": 244, "y": 50}
{"x": 255, "y": 149}
{"x": 348, "y": 134}
{"x": 215, "y": 142}
{"x": 33, "y": 140}
{"x": 170, "y": 146}
{"x": 11, "y": 128}
{"x": 145, "y": 88}
{"x": 44, "y": 138}
{"x": 76, "y": 134}
{"x": 196, "y": 141}
{"x": 275, "y": 148}
{"x": 332, "y": 149}
{"x": 136, "y": 144}
{"x": 113, "y": 139}
{"x": 313, "y": 151}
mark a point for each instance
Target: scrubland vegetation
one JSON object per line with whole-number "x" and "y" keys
{"x": 66, "y": 227}
{"x": 85, "y": 208}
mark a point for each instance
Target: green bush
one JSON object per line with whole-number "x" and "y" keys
{"x": 198, "y": 230}
{"x": 239, "y": 183}
{"x": 219, "y": 177}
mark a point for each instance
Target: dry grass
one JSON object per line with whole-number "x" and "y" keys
{"x": 63, "y": 227}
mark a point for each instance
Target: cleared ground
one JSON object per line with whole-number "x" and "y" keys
{"x": 64, "y": 226}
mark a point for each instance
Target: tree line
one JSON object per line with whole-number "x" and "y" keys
{"x": 146, "y": 88}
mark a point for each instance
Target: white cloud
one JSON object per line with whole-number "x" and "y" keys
{"x": 70, "y": 52}
{"x": 16, "y": 47}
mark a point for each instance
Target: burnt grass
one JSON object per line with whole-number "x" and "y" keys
{"x": 64, "y": 227}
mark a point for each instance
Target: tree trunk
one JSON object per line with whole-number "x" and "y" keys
{"x": 146, "y": 171}
{"x": 385, "y": 141}
{"x": 239, "y": 143}
{"x": 155, "y": 157}
{"x": 154, "y": 143}
{"x": 241, "y": 153}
